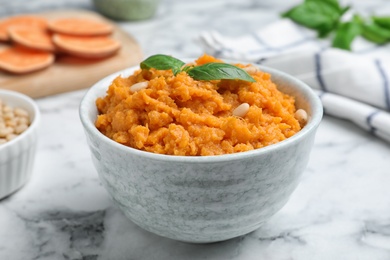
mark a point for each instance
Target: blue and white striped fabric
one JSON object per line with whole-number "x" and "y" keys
{"x": 352, "y": 85}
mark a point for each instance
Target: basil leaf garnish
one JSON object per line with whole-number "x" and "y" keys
{"x": 334, "y": 3}
{"x": 162, "y": 62}
{"x": 383, "y": 21}
{"x": 346, "y": 33}
{"x": 320, "y": 15}
{"x": 209, "y": 71}
{"x": 212, "y": 71}
{"x": 375, "y": 33}
{"x": 324, "y": 16}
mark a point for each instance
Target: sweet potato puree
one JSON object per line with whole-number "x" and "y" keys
{"x": 178, "y": 115}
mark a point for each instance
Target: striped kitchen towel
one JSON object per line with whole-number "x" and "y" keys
{"x": 352, "y": 85}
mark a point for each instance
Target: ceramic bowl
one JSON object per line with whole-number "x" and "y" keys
{"x": 202, "y": 199}
{"x": 17, "y": 155}
{"x": 127, "y": 9}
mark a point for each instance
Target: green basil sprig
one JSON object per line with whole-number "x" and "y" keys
{"x": 213, "y": 71}
{"x": 383, "y": 21}
{"x": 209, "y": 71}
{"x": 163, "y": 62}
{"x": 324, "y": 16}
{"x": 320, "y": 15}
{"x": 375, "y": 33}
{"x": 346, "y": 33}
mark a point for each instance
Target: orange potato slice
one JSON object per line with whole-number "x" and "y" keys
{"x": 81, "y": 27}
{"x": 35, "y": 38}
{"x": 86, "y": 46}
{"x": 20, "y": 60}
{"x": 20, "y": 20}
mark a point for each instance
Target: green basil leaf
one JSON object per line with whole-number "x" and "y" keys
{"x": 344, "y": 10}
{"x": 322, "y": 16}
{"x": 375, "y": 33}
{"x": 346, "y": 33}
{"x": 162, "y": 62}
{"x": 333, "y": 3}
{"x": 209, "y": 71}
{"x": 383, "y": 21}
{"x": 215, "y": 71}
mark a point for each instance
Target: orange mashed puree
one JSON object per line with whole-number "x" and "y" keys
{"x": 178, "y": 115}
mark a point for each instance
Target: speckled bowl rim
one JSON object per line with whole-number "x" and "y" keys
{"x": 314, "y": 121}
{"x": 36, "y": 116}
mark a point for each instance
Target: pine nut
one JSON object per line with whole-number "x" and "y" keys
{"x": 6, "y": 109}
{"x": 20, "y": 128}
{"x": 22, "y": 120}
{"x": 13, "y": 121}
{"x": 10, "y": 137}
{"x": 20, "y": 112}
{"x": 241, "y": 110}
{"x": 138, "y": 86}
{"x": 8, "y": 115}
{"x": 6, "y": 131}
{"x": 301, "y": 116}
{"x": 251, "y": 69}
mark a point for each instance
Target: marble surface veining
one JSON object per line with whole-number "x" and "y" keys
{"x": 340, "y": 210}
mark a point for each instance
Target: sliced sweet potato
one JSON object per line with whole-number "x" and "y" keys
{"x": 35, "y": 38}
{"x": 21, "y": 60}
{"x": 86, "y": 46}
{"x": 81, "y": 27}
{"x": 20, "y": 20}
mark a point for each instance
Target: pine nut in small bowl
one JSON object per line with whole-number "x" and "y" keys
{"x": 203, "y": 151}
{"x": 19, "y": 120}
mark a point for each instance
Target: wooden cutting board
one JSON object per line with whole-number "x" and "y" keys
{"x": 70, "y": 73}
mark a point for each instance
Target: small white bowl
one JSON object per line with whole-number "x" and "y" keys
{"x": 17, "y": 155}
{"x": 202, "y": 199}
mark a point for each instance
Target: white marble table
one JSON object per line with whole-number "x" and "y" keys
{"x": 340, "y": 210}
